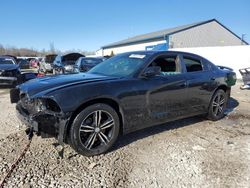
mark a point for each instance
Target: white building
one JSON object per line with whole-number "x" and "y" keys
{"x": 209, "y": 33}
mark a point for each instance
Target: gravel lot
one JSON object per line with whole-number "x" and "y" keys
{"x": 193, "y": 152}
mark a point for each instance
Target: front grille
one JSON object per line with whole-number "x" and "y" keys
{"x": 8, "y": 73}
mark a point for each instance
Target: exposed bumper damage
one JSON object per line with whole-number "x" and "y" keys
{"x": 7, "y": 80}
{"x": 42, "y": 119}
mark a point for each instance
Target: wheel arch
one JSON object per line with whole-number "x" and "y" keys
{"x": 225, "y": 88}
{"x": 104, "y": 100}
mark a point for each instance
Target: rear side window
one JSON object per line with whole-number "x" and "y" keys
{"x": 192, "y": 65}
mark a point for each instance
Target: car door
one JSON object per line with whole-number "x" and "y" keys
{"x": 199, "y": 83}
{"x": 165, "y": 94}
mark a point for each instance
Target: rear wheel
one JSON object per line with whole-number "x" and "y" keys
{"x": 94, "y": 130}
{"x": 217, "y": 105}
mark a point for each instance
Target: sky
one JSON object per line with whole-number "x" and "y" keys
{"x": 88, "y": 25}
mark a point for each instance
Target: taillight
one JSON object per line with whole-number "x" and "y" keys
{"x": 39, "y": 75}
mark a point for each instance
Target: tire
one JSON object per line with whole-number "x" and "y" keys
{"x": 94, "y": 130}
{"x": 20, "y": 80}
{"x": 217, "y": 105}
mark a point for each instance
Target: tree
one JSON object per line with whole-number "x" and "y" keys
{"x": 52, "y": 48}
{"x": 2, "y": 50}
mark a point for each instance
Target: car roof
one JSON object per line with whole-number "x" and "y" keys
{"x": 8, "y": 57}
{"x": 150, "y": 52}
{"x": 155, "y": 52}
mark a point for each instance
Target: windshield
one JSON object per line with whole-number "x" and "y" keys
{"x": 6, "y": 61}
{"x": 120, "y": 65}
{"x": 50, "y": 58}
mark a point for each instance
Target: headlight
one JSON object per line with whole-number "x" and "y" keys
{"x": 40, "y": 105}
{"x": 46, "y": 104}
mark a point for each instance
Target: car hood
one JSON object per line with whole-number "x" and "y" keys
{"x": 8, "y": 66}
{"x": 45, "y": 85}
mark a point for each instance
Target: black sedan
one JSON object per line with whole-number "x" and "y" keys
{"x": 125, "y": 93}
{"x": 84, "y": 64}
{"x": 9, "y": 70}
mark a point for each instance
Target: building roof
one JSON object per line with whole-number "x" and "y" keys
{"x": 162, "y": 34}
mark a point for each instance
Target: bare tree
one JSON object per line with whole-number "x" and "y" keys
{"x": 2, "y": 50}
{"x": 28, "y": 52}
{"x": 52, "y": 48}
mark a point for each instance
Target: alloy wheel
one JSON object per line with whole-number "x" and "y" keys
{"x": 218, "y": 104}
{"x": 96, "y": 129}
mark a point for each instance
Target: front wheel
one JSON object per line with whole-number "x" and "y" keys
{"x": 95, "y": 130}
{"x": 217, "y": 105}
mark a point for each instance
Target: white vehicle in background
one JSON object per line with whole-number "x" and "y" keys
{"x": 46, "y": 64}
{"x": 245, "y": 73}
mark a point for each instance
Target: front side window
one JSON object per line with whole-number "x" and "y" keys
{"x": 169, "y": 65}
{"x": 192, "y": 65}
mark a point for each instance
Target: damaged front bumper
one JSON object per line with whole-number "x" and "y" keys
{"x": 7, "y": 80}
{"x": 45, "y": 124}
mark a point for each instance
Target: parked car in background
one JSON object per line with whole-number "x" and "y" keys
{"x": 12, "y": 56}
{"x": 23, "y": 63}
{"x": 65, "y": 64}
{"x": 9, "y": 70}
{"x": 125, "y": 93}
{"x": 84, "y": 64}
{"x": 46, "y": 64}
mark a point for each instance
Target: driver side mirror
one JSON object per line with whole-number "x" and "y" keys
{"x": 152, "y": 71}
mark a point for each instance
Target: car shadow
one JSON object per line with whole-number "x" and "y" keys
{"x": 141, "y": 134}
{"x": 231, "y": 105}
{"x": 5, "y": 90}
